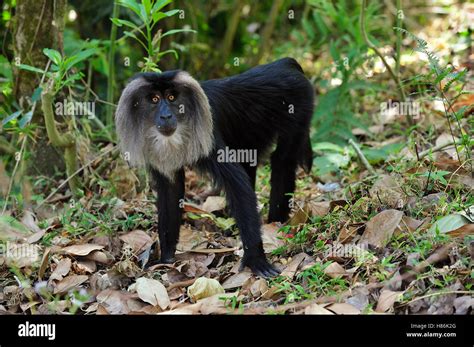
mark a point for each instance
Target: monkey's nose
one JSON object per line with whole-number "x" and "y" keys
{"x": 165, "y": 116}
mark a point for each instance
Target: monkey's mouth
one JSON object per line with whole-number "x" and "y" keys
{"x": 167, "y": 131}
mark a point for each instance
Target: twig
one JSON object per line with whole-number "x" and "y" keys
{"x": 362, "y": 157}
{"x": 437, "y": 293}
{"x": 436, "y": 148}
{"x": 181, "y": 284}
{"x": 395, "y": 78}
{"x": 74, "y": 174}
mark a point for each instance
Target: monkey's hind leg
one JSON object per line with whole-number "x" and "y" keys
{"x": 284, "y": 161}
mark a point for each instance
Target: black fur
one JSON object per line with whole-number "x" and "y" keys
{"x": 250, "y": 111}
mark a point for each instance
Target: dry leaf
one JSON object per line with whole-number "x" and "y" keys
{"x": 408, "y": 225}
{"x": 44, "y": 263}
{"x": 380, "y": 228}
{"x": 113, "y": 302}
{"x": 61, "y": 270}
{"x": 214, "y": 203}
{"x": 204, "y": 287}
{"x": 349, "y": 232}
{"x": 343, "y": 308}
{"x": 100, "y": 257}
{"x": 152, "y": 292}
{"x": 85, "y": 266}
{"x": 316, "y": 309}
{"x": 259, "y": 287}
{"x": 69, "y": 283}
{"x": 214, "y": 304}
{"x": 189, "y": 239}
{"x": 81, "y": 250}
{"x": 214, "y": 250}
{"x": 467, "y": 229}
{"x": 319, "y": 209}
{"x": 292, "y": 267}
{"x": 236, "y": 280}
{"x": 300, "y": 217}
{"x": 334, "y": 270}
{"x": 138, "y": 240}
{"x": 270, "y": 237}
{"x": 36, "y": 236}
{"x": 29, "y": 220}
{"x": 387, "y": 299}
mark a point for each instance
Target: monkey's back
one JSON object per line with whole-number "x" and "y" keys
{"x": 252, "y": 109}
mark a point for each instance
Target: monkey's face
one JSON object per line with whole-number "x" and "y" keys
{"x": 161, "y": 104}
{"x": 165, "y": 120}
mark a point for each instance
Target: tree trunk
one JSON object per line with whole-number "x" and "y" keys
{"x": 38, "y": 25}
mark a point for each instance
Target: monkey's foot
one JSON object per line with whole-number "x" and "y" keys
{"x": 260, "y": 266}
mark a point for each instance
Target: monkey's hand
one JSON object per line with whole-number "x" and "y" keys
{"x": 257, "y": 262}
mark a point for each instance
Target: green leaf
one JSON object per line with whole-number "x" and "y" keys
{"x": 131, "y": 5}
{"x": 174, "y": 31}
{"x": 25, "y": 119}
{"x": 143, "y": 14}
{"x": 168, "y": 52}
{"x": 53, "y": 54}
{"x": 159, "y": 5}
{"x": 376, "y": 155}
{"x": 9, "y": 221}
{"x": 11, "y": 117}
{"x": 75, "y": 59}
{"x": 119, "y": 22}
{"x": 449, "y": 223}
{"x": 224, "y": 223}
{"x": 327, "y": 146}
{"x": 157, "y": 16}
{"x": 36, "y": 94}
{"x": 30, "y": 68}
{"x": 147, "y": 5}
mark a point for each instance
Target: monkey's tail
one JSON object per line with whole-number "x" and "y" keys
{"x": 305, "y": 159}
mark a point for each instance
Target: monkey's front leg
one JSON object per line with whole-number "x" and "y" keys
{"x": 169, "y": 203}
{"x": 243, "y": 206}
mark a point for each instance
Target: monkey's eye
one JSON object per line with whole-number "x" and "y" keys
{"x": 155, "y": 99}
{"x": 171, "y": 97}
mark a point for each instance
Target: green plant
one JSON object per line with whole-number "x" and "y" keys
{"x": 149, "y": 13}
{"x": 446, "y": 80}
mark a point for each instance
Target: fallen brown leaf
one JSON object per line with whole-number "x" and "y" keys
{"x": 61, "y": 270}
{"x": 270, "y": 237}
{"x": 81, "y": 250}
{"x": 68, "y": 283}
{"x": 214, "y": 203}
{"x": 236, "y": 280}
{"x": 387, "y": 299}
{"x": 334, "y": 270}
{"x": 316, "y": 309}
{"x": 380, "y": 228}
{"x": 292, "y": 267}
{"x": 138, "y": 240}
{"x": 343, "y": 308}
{"x": 152, "y": 292}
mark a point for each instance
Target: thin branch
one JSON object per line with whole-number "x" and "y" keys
{"x": 362, "y": 157}
{"x": 74, "y": 174}
{"x": 436, "y": 148}
{"x": 395, "y": 78}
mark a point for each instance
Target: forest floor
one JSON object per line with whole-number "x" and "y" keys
{"x": 397, "y": 238}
